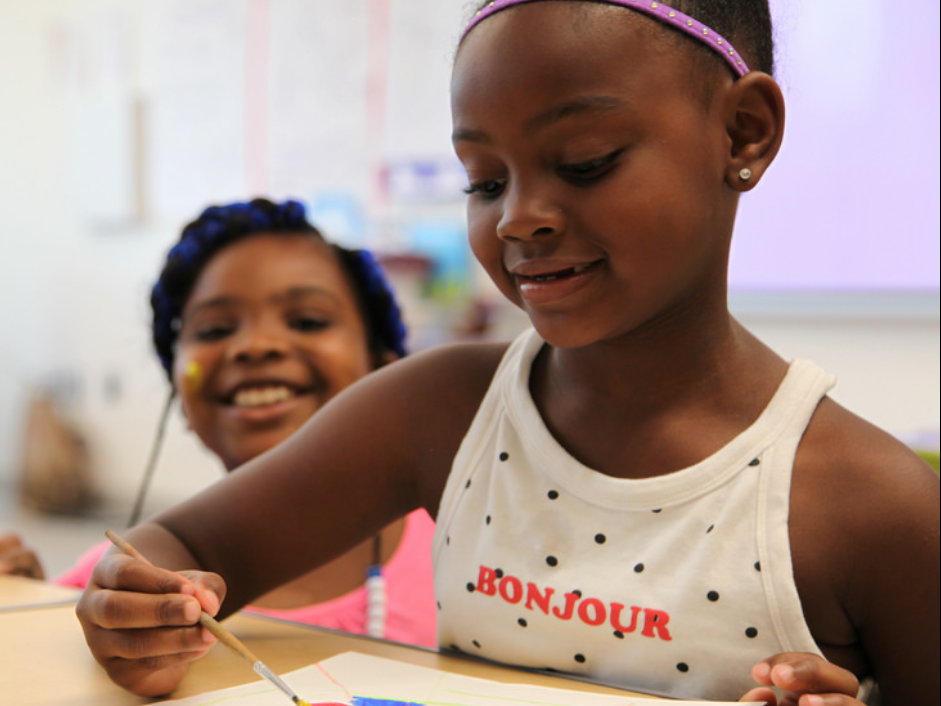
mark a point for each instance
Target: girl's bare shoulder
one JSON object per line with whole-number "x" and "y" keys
{"x": 864, "y": 537}
{"x": 843, "y": 456}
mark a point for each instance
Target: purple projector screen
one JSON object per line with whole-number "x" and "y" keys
{"x": 851, "y": 204}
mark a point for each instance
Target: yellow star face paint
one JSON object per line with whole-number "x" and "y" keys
{"x": 193, "y": 377}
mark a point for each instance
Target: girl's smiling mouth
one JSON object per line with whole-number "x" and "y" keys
{"x": 255, "y": 395}
{"x": 546, "y": 284}
{"x": 556, "y": 274}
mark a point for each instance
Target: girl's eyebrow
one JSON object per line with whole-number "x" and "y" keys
{"x": 583, "y": 105}
{"x": 291, "y": 294}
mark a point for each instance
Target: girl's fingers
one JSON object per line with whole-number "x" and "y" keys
{"x": 151, "y": 676}
{"x": 806, "y": 680}
{"x": 125, "y": 573}
{"x": 804, "y": 672}
{"x": 118, "y": 610}
{"x": 21, "y": 562}
{"x": 761, "y": 694}
{"x": 17, "y": 559}
{"x": 154, "y": 646}
{"x": 209, "y": 589}
{"x": 137, "y": 582}
{"x": 141, "y": 622}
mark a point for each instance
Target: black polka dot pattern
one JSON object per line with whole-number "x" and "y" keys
{"x": 543, "y": 595}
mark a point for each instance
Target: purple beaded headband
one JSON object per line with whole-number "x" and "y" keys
{"x": 695, "y": 29}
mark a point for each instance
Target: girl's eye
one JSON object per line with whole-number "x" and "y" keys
{"x": 592, "y": 169}
{"x": 209, "y": 333}
{"x": 308, "y": 324}
{"x": 486, "y": 189}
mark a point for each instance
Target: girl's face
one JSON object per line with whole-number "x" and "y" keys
{"x": 596, "y": 169}
{"x": 274, "y": 327}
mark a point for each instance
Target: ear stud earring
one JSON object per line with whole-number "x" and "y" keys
{"x": 744, "y": 174}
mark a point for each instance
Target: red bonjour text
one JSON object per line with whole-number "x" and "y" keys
{"x": 591, "y": 611}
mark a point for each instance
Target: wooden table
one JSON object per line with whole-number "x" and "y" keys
{"x": 44, "y": 660}
{"x": 17, "y": 593}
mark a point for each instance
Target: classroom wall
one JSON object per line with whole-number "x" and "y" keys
{"x": 102, "y": 160}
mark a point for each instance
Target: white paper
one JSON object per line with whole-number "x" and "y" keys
{"x": 363, "y": 680}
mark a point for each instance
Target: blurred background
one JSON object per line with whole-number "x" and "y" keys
{"x": 121, "y": 119}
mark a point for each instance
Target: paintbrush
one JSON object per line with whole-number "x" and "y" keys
{"x": 215, "y": 627}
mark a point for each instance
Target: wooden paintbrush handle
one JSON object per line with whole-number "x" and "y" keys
{"x": 225, "y": 637}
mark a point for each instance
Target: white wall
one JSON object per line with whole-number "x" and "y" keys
{"x": 79, "y": 250}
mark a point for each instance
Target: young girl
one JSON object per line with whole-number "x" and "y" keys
{"x": 258, "y": 322}
{"x": 635, "y": 490}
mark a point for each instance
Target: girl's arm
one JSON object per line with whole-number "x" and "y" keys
{"x": 380, "y": 449}
{"x": 864, "y": 536}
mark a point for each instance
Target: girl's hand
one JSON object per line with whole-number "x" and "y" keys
{"x": 19, "y": 560}
{"x": 141, "y": 622}
{"x": 806, "y": 679}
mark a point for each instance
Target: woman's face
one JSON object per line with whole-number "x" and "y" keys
{"x": 269, "y": 334}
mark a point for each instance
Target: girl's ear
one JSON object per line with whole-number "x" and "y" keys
{"x": 386, "y": 358}
{"x": 755, "y": 124}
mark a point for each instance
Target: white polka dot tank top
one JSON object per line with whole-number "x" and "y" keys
{"x": 672, "y": 585}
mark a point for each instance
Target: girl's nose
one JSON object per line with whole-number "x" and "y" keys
{"x": 257, "y": 344}
{"x": 528, "y": 215}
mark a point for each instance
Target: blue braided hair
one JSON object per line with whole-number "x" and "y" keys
{"x": 220, "y": 226}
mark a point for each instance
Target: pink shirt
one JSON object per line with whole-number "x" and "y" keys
{"x": 410, "y": 599}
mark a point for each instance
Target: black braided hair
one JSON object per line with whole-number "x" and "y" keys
{"x": 745, "y": 23}
{"x": 220, "y": 226}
